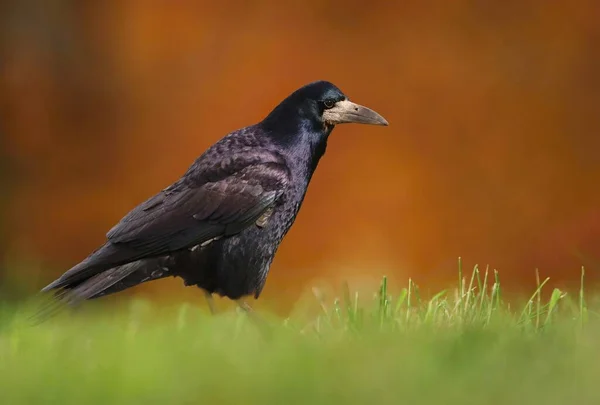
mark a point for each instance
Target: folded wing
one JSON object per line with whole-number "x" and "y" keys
{"x": 184, "y": 215}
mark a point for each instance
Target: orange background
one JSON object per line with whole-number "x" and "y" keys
{"x": 491, "y": 153}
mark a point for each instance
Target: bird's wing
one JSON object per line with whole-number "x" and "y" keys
{"x": 189, "y": 212}
{"x": 185, "y": 215}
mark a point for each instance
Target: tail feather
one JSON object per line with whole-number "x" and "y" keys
{"x": 147, "y": 271}
{"x": 105, "y": 257}
{"x": 108, "y": 282}
{"x": 89, "y": 280}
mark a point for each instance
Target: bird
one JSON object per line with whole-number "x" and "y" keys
{"x": 219, "y": 226}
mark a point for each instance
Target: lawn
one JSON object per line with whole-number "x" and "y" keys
{"x": 463, "y": 346}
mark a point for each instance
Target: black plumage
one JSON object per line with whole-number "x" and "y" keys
{"x": 219, "y": 226}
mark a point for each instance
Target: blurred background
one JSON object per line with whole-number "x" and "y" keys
{"x": 491, "y": 153}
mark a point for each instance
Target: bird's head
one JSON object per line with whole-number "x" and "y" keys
{"x": 323, "y": 105}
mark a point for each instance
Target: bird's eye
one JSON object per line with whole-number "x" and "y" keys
{"x": 328, "y": 103}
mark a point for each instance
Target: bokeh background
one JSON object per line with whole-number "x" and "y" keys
{"x": 491, "y": 153}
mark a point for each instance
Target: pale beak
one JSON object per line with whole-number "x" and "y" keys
{"x": 346, "y": 111}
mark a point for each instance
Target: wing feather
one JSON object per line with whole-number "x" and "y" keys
{"x": 184, "y": 215}
{"x": 214, "y": 198}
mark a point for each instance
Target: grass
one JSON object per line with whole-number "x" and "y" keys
{"x": 465, "y": 346}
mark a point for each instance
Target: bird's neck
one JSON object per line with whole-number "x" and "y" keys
{"x": 299, "y": 132}
{"x": 305, "y": 152}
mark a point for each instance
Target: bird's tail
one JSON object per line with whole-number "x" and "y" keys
{"x": 102, "y": 259}
{"x": 105, "y": 283}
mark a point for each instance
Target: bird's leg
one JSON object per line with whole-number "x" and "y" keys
{"x": 245, "y": 306}
{"x": 262, "y": 324}
{"x": 211, "y": 302}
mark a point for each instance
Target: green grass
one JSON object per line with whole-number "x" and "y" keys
{"x": 465, "y": 346}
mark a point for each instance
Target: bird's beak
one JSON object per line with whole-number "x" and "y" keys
{"x": 346, "y": 111}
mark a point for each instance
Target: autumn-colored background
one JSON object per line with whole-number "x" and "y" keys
{"x": 491, "y": 153}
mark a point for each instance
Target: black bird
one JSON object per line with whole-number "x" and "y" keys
{"x": 219, "y": 226}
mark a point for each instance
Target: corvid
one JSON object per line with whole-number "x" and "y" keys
{"x": 219, "y": 226}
